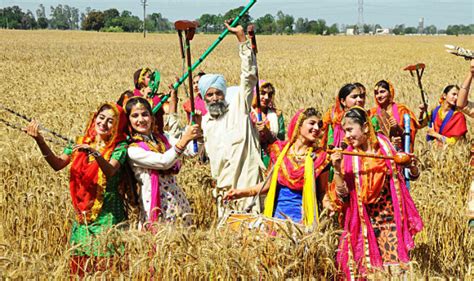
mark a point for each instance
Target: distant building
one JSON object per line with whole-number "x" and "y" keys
{"x": 382, "y": 31}
{"x": 350, "y": 31}
{"x": 421, "y": 25}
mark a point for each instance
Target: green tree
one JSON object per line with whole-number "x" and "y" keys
{"x": 11, "y": 17}
{"x": 284, "y": 23}
{"x": 41, "y": 17}
{"x": 233, "y": 13}
{"x": 60, "y": 17}
{"x": 301, "y": 25}
{"x": 399, "y": 29}
{"x": 265, "y": 24}
{"x": 156, "y": 22}
{"x": 333, "y": 29}
{"x": 317, "y": 27}
{"x": 28, "y": 21}
{"x": 128, "y": 22}
{"x": 208, "y": 22}
{"x": 94, "y": 20}
{"x": 431, "y": 29}
{"x": 410, "y": 30}
{"x": 110, "y": 15}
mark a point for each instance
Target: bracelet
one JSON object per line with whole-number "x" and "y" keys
{"x": 443, "y": 139}
{"x": 465, "y": 88}
{"x": 47, "y": 155}
{"x": 341, "y": 194}
{"x": 95, "y": 154}
{"x": 178, "y": 149}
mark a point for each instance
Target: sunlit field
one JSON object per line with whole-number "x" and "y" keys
{"x": 60, "y": 78}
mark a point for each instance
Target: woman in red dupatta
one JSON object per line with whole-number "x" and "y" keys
{"x": 96, "y": 170}
{"x": 447, "y": 123}
{"x": 299, "y": 176}
{"x": 379, "y": 216}
{"x": 390, "y": 115}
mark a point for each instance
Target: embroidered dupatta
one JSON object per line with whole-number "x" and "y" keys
{"x": 453, "y": 124}
{"x": 397, "y": 110}
{"x": 161, "y": 146}
{"x": 358, "y": 248}
{"x": 294, "y": 176}
{"x": 87, "y": 182}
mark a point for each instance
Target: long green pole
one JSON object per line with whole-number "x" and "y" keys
{"x": 206, "y": 53}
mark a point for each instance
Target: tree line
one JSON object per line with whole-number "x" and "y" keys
{"x": 65, "y": 17}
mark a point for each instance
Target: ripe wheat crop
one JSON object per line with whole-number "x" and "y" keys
{"x": 59, "y": 78}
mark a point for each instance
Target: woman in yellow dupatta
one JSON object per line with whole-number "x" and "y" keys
{"x": 299, "y": 178}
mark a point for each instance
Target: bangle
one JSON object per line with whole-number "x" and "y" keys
{"x": 443, "y": 139}
{"x": 465, "y": 88}
{"x": 179, "y": 150}
{"x": 95, "y": 154}
{"x": 47, "y": 155}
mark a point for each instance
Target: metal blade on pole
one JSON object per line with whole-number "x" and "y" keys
{"x": 206, "y": 53}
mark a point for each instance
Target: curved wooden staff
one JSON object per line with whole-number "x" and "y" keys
{"x": 400, "y": 158}
{"x": 189, "y": 29}
{"x": 253, "y": 39}
{"x": 418, "y": 68}
{"x": 206, "y": 53}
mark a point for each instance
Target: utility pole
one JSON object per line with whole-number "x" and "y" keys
{"x": 360, "y": 9}
{"x": 144, "y": 17}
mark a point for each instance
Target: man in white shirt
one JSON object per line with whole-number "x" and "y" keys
{"x": 230, "y": 139}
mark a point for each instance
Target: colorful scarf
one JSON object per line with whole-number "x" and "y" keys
{"x": 87, "y": 182}
{"x": 398, "y": 110}
{"x": 332, "y": 121}
{"x": 452, "y": 125}
{"x": 358, "y": 246}
{"x": 161, "y": 146}
{"x": 294, "y": 176}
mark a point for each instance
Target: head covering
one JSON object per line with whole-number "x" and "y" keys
{"x": 139, "y": 77}
{"x": 294, "y": 176}
{"x": 390, "y": 89}
{"x": 88, "y": 182}
{"x": 212, "y": 81}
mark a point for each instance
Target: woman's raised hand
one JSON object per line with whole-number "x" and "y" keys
{"x": 192, "y": 132}
{"x": 336, "y": 159}
{"x": 33, "y": 130}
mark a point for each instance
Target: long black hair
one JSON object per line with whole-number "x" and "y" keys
{"x": 345, "y": 91}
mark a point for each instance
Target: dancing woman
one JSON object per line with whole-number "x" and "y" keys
{"x": 299, "y": 179}
{"x": 448, "y": 122}
{"x": 95, "y": 174}
{"x": 379, "y": 216}
{"x": 153, "y": 158}
{"x": 390, "y": 115}
{"x": 272, "y": 127}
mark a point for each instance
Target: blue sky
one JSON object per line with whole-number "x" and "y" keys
{"x": 387, "y": 13}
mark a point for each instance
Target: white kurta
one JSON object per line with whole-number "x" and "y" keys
{"x": 231, "y": 141}
{"x": 174, "y": 204}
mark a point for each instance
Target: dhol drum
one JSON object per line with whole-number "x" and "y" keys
{"x": 245, "y": 223}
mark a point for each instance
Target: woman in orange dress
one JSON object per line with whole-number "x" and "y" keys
{"x": 379, "y": 216}
{"x": 390, "y": 115}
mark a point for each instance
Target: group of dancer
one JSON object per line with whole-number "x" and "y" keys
{"x": 307, "y": 170}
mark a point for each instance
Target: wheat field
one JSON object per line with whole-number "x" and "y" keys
{"x": 59, "y": 78}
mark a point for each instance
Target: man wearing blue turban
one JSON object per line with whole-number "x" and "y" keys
{"x": 230, "y": 139}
